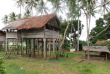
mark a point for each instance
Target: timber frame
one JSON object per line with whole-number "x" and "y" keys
{"x": 40, "y": 42}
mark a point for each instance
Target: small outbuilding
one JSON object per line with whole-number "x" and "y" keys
{"x": 103, "y": 50}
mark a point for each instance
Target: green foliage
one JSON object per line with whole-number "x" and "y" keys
{"x": 27, "y": 14}
{"x": 12, "y": 17}
{"x": 101, "y": 24}
{"x": 66, "y": 44}
{"x": 5, "y": 19}
{"x": 0, "y": 47}
{"x": 2, "y": 68}
{"x": 84, "y": 43}
{"x": 108, "y": 44}
{"x": 73, "y": 28}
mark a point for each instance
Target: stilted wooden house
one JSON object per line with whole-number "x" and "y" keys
{"x": 2, "y": 38}
{"x": 44, "y": 29}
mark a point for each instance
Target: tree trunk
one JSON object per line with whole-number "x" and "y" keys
{"x": 64, "y": 37}
{"x": 87, "y": 37}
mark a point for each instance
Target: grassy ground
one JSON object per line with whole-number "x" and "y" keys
{"x": 19, "y": 65}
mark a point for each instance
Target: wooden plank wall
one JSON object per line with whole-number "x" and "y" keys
{"x": 38, "y": 34}
{"x": 11, "y": 35}
{"x": 2, "y": 38}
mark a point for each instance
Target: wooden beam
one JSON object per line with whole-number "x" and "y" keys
{"x": 29, "y": 46}
{"x": 38, "y": 46}
{"x": 17, "y": 46}
{"x": 53, "y": 47}
{"x": 22, "y": 46}
{"x": 49, "y": 49}
{"x": 6, "y": 45}
{"x": 32, "y": 46}
{"x": 46, "y": 47}
{"x": 42, "y": 48}
{"x": 44, "y": 40}
{"x": 26, "y": 45}
{"x": 106, "y": 56}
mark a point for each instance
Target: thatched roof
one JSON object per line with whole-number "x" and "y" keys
{"x": 2, "y": 33}
{"x": 15, "y": 24}
{"x": 96, "y": 48}
{"x": 33, "y": 22}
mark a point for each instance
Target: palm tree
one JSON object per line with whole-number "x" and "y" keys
{"x": 105, "y": 6}
{"x": 20, "y": 4}
{"x": 12, "y": 17}
{"x": 5, "y": 20}
{"x": 57, "y": 7}
{"x": 41, "y": 7}
{"x": 27, "y": 14}
{"x": 88, "y": 8}
{"x": 30, "y": 4}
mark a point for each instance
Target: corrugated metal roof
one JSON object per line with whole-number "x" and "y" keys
{"x": 96, "y": 48}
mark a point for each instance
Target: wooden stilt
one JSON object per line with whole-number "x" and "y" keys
{"x": 53, "y": 48}
{"x": 106, "y": 56}
{"x": 38, "y": 46}
{"x": 44, "y": 47}
{"x": 49, "y": 49}
{"x": 29, "y": 48}
{"x": 34, "y": 47}
{"x": 6, "y": 45}
{"x": 18, "y": 47}
{"x": 26, "y": 46}
{"x": 22, "y": 46}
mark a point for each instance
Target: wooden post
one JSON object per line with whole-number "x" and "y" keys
{"x": 53, "y": 47}
{"x": 44, "y": 47}
{"x": 29, "y": 48}
{"x": 26, "y": 46}
{"x": 49, "y": 49}
{"x": 38, "y": 46}
{"x": 32, "y": 46}
{"x": 18, "y": 45}
{"x": 22, "y": 46}
{"x": 6, "y": 45}
{"x": 106, "y": 56}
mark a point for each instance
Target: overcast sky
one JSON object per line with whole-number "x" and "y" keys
{"x": 8, "y": 6}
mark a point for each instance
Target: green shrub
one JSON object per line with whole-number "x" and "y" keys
{"x": 2, "y": 68}
{"x": 108, "y": 44}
